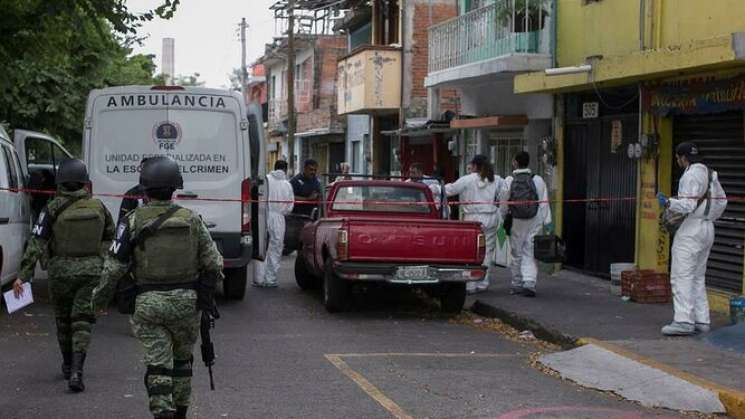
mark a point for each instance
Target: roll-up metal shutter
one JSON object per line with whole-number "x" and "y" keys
{"x": 721, "y": 139}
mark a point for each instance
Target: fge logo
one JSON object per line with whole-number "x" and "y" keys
{"x": 167, "y": 135}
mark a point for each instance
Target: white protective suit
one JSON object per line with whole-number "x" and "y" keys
{"x": 471, "y": 188}
{"x": 524, "y": 267}
{"x": 279, "y": 190}
{"x": 691, "y": 246}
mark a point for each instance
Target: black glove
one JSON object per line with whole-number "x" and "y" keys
{"x": 206, "y": 286}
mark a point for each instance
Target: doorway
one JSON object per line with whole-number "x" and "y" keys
{"x": 600, "y": 233}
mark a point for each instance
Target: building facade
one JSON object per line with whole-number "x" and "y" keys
{"x": 320, "y": 131}
{"x": 634, "y": 79}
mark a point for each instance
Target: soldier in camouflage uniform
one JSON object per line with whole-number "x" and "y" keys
{"x": 176, "y": 266}
{"x": 75, "y": 230}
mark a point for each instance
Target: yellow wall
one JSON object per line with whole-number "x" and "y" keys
{"x": 684, "y": 21}
{"x": 609, "y": 27}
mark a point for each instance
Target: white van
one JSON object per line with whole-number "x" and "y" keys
{"x": 207, "y": 132}
{"x": 15, "y": 211}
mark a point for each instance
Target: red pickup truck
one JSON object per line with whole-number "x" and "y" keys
{"x": 389, "y": 232}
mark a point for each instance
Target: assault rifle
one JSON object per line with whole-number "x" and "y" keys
{"x": 208, "y": 348}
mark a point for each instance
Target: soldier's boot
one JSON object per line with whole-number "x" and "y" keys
{"x": 76, "y": 376}
{"x": 181, "y": 412}
{"x": 66, "y": 364}
{"x": 169, "y": 414}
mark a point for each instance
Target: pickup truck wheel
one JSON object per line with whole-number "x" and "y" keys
{"x": 335, "y": 290}
{"x": 305, "y": 280}
{"x": 234, "y": 284}
{"x": 453, "y": 299}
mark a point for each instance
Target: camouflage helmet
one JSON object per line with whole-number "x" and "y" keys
{"x": 72, "y": 171}
{"x": 161, "y": 172}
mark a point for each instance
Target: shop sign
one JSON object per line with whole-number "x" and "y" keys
{"x": 696, "y": 97}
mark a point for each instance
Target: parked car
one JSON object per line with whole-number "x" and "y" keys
{"x": 207, "y": 132}
{"x": 15, "y": 210}
{"x": 40, "y": 155}
{"x": 390, "y": 232}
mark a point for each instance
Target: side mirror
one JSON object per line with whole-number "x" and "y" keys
{"x": 314, "y": 214}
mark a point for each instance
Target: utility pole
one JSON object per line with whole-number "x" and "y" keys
{"x": 244, "y": 74}
{"x": 291, "y": 122}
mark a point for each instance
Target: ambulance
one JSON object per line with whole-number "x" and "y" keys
{"x": 207, "y": 132}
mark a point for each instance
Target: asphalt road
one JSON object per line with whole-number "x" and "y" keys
{"x": 282, "y": 356}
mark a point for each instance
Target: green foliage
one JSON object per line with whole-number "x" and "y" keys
{"x": 190, "y": 80}
{"x": 54, "y": 52}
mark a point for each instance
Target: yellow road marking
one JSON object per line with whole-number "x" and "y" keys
{"x": 392, "y": 407}
{"x": 732, "y": 399}
{"x": 366, "y": 386}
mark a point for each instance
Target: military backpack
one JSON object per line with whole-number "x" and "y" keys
{"x": 78, "y": 228}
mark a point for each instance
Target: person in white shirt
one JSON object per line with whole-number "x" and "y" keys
{"x": 416, "y": 174}
{"x": 479, "y": 190}
{"x": 281, "y": 199}
{"x": 528, "y": 219}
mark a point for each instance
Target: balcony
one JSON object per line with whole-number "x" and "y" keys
{"x": 504, "y": 37}
{"x": 369, "y": 81}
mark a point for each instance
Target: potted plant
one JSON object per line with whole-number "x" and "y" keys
{"x": 524, "y": 20}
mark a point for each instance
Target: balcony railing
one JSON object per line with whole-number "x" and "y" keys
{"x": 502, "y": 28}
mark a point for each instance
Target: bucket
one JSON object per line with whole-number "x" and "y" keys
{"x": 615, "y": 276}
{"x": 737, "y": 309}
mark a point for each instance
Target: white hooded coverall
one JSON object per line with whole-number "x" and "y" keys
{"x": 280, "y": 198}
{"x": 524, "y": 267}
{"x": 471, "y": 188}
{"x": 691, "y": 247}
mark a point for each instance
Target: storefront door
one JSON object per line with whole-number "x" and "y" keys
{"x": 602, "y": 232}
{"x": 722, "y": 142}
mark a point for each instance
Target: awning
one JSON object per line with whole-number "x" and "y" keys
{"x": 495, "y": 121}
{"x": 319, "y": 132}
{"x": 722, "y": 52}
{"x": 420, "y": 127}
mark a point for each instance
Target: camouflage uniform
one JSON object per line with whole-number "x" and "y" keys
{"x": 166, "y": 322}
{"x": 71, "y": 279}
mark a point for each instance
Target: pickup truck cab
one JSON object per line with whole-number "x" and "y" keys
{"x": 388, "y": 232}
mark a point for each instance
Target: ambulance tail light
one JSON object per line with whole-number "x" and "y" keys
{"x": 342, "y": 245}
{"x": 246, "y": 207}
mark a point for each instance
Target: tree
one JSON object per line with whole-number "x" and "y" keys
{"x": 190, "y": 80}
{"x": 54, "y": 53}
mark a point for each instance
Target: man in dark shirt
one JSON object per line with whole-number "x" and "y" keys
{"x": 134, "y": 197}
{"x": 306, "y": 188}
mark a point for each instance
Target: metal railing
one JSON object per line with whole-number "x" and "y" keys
{"x": 491, "y": 31}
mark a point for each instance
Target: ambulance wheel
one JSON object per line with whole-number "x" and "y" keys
{"x": 234, "y": 284}
{"x": 453, "y": 298}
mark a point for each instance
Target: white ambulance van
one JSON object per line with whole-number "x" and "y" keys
{"x": 207, "y": 132}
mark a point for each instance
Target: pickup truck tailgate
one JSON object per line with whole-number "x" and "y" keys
{"x": 413, "y": 241}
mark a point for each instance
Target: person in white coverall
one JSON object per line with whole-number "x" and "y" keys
{"x": 524, "y": 268}
{"x": 281, "y": 199}
{"x": 692, "y": 242}
{"x": 480, "y": 187}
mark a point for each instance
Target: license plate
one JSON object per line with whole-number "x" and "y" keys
{"x": 414, "y": 274}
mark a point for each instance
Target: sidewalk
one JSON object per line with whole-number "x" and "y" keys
{"x": 572, "y": 309}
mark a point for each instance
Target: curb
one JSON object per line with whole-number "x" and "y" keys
{"x": 732, "y": 399}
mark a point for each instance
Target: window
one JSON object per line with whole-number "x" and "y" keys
{"x": 12, "y": 169}
{"x": 381, "y": 199}
{"x": 356, "y": 157}
{"x": 59, "y": 155}
{"x": 39, "y": 151}
{"x": 502, "y": 149}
